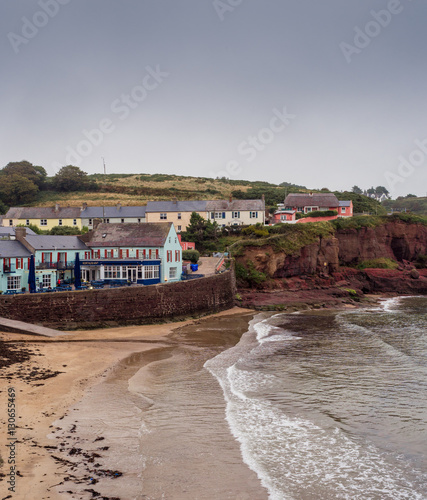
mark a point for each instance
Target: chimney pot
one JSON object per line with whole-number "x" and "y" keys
{"x": 57, "y": 207}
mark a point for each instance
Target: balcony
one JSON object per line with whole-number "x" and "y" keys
{"x": 46, "y": 265}
{"x": 9, "y": 269}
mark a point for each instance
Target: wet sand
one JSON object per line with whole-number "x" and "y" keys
{"x": 131, "y": 415}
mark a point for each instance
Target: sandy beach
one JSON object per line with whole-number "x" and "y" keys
{"x": 81, "y": 402}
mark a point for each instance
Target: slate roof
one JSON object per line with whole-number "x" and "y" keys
{"x": 55, "y": 242}
{"x": 13, "y": 249}
{"x": 43, "y": 213}
{"x": 345, "y": 203}
{"x": 113, "y": 212}
{"x": 178, "y": 206}
{"x": 10, "y": 230}
{"x": 129, "y": 235}
{"x": 235, "y": 205}
{"x": 315, "y": 199}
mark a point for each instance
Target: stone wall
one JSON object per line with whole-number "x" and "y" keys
{"x": 122, "y": 306}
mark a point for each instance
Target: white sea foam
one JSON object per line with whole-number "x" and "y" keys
{"x": 292, "y": 454}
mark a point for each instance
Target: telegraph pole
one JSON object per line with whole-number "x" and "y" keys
{"x": 103, "y": 208}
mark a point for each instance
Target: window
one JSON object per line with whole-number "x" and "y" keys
{"x": 253, "y": 215}
{"x": 179, "y": 228}
{"x": 106, "y": 221}
{"x": 169, "y": 239}
{"x": 169, "y": 256}
{"x": 157, "y": 253}
{"x": 122, "y": 220}
{"x": 151, "y": 272}
{"x": 236, "y": 215}
{"x": 172, "y": 272}
{"x": 43, "y": 222}
{"x": 14, "y": 282}
{"x": 27, "y": 222}
{"x": 342, "y": 210}
{"x": 90, "y": 222}
{"x": 112, "y": 272}
{"x": 46, "y": 280}
{"x": 19, "y": 264}
{"x": 179, "y": 216}
{"x": 218, "y": 215}
{"x": 10, "y": 222}
{"x": 177, "y": 255}
{"x": 74, "y": 222}
{"x": 46, "y": 257}
{"x": 300, "y": 209}
{"x": 60, "y": 222}
{"x": 139, "y": 220}
{"x": 163, "y": 216}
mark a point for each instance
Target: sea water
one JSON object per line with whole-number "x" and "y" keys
{"x": 332, "y": 405}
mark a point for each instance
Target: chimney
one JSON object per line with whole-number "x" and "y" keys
{"x": 174, "y": 201}
{"x": 20, "y": 233}
{"x": 231, "y": 198}
{"x": 57, "y": 207}
{"x": 84, "y": 206}
{"x": 119, "y": 206}
{"x": 96, "y": 223}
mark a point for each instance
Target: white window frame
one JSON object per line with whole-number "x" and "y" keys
{"x": 27, "y": 222}
{"x": 46, "y": 280}
{"x": 343, "y": 210}
{"x": 236, "y": 215}
{"x": 163, "y": 216}
{"x": 74, "y": 222}
{"x": 43, "y": 222}
{"x": 179, "y": 215}
{"x": 14, "y": 282}
{"x": 173, "y": 273}
{"x": 151, "y": 272}
{"x": 253, "y": 215}
{"x": 59, "y": 222}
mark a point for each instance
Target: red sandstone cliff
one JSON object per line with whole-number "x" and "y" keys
{"x": 395, "y": 240}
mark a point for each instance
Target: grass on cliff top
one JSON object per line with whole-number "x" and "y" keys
{"x": 361, "y": 221}
{"x": 381, "y": 263}
{"x": 287, "y": 238}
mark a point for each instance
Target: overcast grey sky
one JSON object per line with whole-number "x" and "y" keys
{"x": 324, "y": 94}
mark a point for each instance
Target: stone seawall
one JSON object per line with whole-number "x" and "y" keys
{"x": 122, "y": 306}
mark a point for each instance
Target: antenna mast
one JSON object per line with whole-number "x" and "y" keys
{"x": 103, "y": 208}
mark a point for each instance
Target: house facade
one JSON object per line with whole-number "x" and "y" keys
{"x": 175, "y": 211}
{"x": 318, "y": 202}
{"x": 84, "y": 216}
{"x": 54, "y": 256}
{"x": 283, "y": 216}
{"x": 14, "y": 263}
{"x": 141, "y": 253}
{"x": 223, "y": 212}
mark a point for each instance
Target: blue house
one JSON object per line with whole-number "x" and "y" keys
{"x": 14, "y": 262}
{"x": 141, "y": 253}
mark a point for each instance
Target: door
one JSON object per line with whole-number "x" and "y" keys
{"x": 132, "y": 274}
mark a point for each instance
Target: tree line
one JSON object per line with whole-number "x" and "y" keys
{"x": 20, "y": 182}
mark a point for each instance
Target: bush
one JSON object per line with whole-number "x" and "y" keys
{"x": 421, "y": 261}
{"x": 192, "y": 255}
{"x": 258, "y": 230}
{"x": 248, "y": 275}
{"x": 321, "y": 213}
{"x": 381, "y": 263}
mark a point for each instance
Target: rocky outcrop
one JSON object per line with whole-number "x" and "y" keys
{"x": 396, "y": 240}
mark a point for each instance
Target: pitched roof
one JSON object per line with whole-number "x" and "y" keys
{"x": 43, "y": 213}
{"x": 10, "y": 230}
{"x": 55, "y": 242}
{"x": 176, "y": 206}
{"x": 13, "y": 249}
{"x": 345, "y": 203}
{"x": 235, "y": 205}
{"x": 314, "y": 199}
{"x": 113, "y": 212}
{"x": 129, "y": 235}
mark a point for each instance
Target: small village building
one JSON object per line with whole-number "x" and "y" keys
{"x": 311, "y": 202}
{"x": 14, "y": 262}
{"x": 54, "y": 256}
{"x": 346, "y": 209}
{"x": 141, "y": 253}
{"x": 283, "y": 216}
{"x": 176, "y": 211}
{"x": 112, "y": 215}
{"x": 43, "y": 217}
{"x": 236, "y": 212}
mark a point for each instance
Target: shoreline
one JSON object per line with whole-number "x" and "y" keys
{"x": 56, "y": 377}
